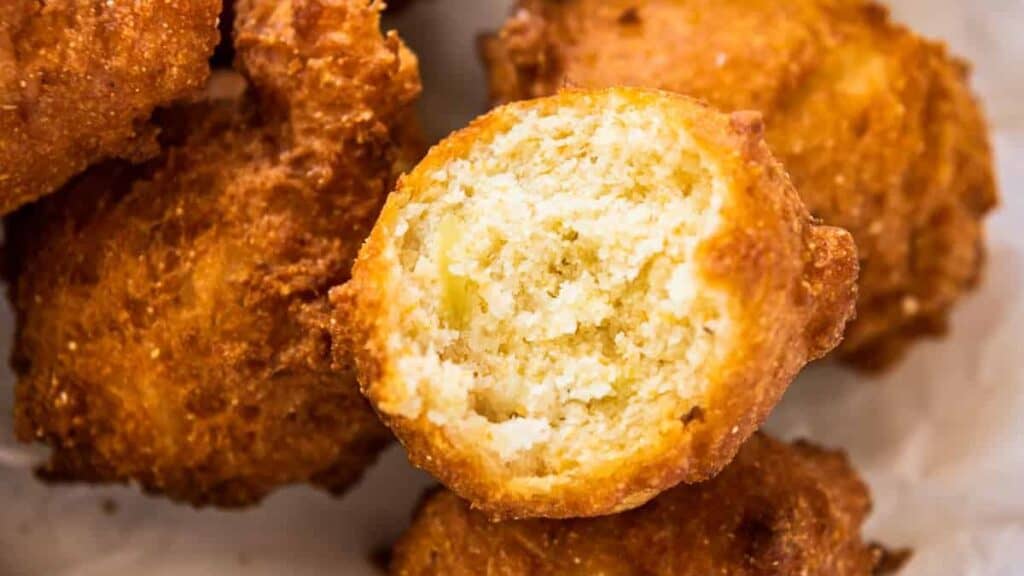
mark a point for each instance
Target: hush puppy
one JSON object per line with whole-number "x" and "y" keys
{"x": 172, "y": 318}
{"x": 580, "y": 301}
{"x": 777, "y": 509}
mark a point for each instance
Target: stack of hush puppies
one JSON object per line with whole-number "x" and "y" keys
{"x": 575, "y": 313}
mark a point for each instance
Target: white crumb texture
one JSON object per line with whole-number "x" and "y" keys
{"x": 558, "y": 310}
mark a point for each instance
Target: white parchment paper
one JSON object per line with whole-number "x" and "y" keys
{"x": 940, "y": 438}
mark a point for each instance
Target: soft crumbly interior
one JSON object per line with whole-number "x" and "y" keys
{"x": 559, "y": 320}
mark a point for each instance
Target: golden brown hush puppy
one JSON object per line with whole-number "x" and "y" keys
{"x": 172, "y": 319}
{"x": 876, "y": 126}
{"x": 80, "y": 78}
{"x": 777, "y": 509}
{"x": 580, "y": 301}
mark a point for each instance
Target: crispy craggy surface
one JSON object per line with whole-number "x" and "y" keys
{"x": 777, "y": 509}
{"x": 171, "y": 317}
{"x": 80, "y": 78}
{"x": 782, "y": 286}
{"x": 876, "y": 126}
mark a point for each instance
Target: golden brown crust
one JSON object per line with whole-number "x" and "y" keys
{"x": 79, "y": 80}
{"x": 777, "y": 509}
{"x": 172, "y": 325}
{"x": 876, "y": 126}
{"x": 791, "y": 287}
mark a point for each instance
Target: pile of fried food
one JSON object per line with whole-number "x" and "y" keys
{"x": 576, "y": 312}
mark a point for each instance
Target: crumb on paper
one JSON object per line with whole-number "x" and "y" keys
{"x": 109, "y": 506}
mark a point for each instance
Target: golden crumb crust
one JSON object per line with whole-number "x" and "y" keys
{"x": 79, "y": 80}
{"x": 172, "y": 317}
{"x": 877, "y": 127}
{"x": 790, "y": 287}
{"x": 777, "y": 509}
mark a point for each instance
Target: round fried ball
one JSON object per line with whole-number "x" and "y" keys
{"x": 876, "y": 126}
{"x": 580, "y": 301}
{"x": 777, "y": 509}
{"x": 173, "y": 318}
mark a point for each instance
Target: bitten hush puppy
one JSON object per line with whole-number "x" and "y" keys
{"x": 580, "y": 301}
{"x": 876, "y": 126}
{"x": 777, "y": 509}
{"x": 173, "y": 318}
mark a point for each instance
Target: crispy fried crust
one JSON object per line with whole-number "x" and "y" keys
{"x": 172, "y": 325}
{"x": 79, "y": 80}
{"x": 791, "y": 285}
{"x": 876, "y": 126}
{"x": 777, "y": 509}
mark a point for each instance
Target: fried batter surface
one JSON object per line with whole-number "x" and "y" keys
{"x": 778, "y": 509}
{"x": 172, "y": 325}
{"x": 79, "y": 80}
